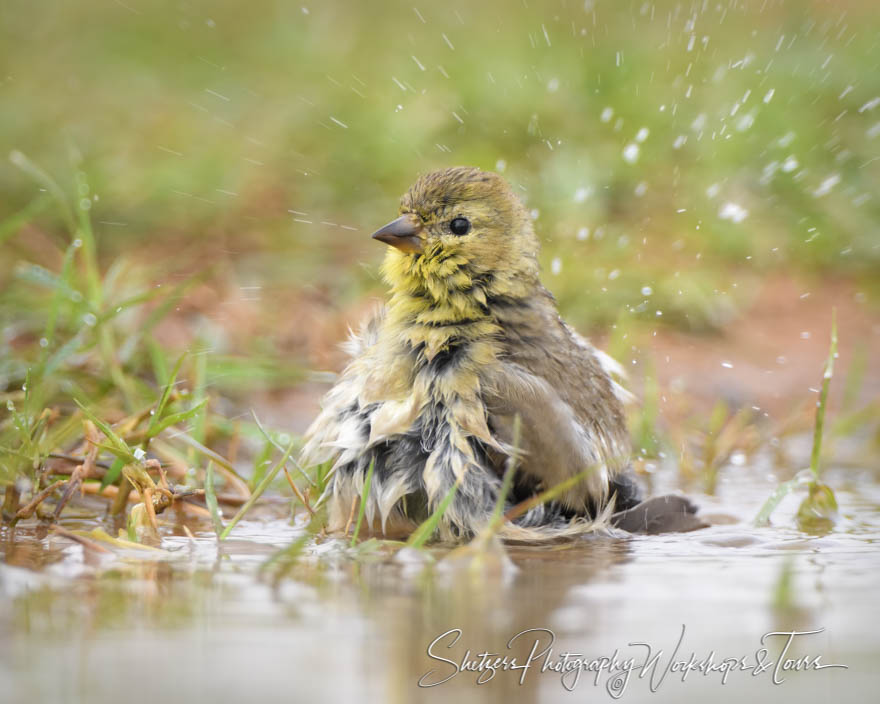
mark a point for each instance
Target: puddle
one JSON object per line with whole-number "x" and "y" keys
{"x": 194, "y": 623}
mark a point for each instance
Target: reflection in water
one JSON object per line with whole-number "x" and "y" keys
{"x": 192, "y": 624}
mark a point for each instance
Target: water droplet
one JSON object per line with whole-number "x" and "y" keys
{"x": 870, "y": 105}
{"x": 825, "y": 187}
{"x": 556, "y": 265}
{"x": 583, "y": 233}
{"x": 631, "y": 153}
{"x": 647, "y": 290}
{"x": 606, "y": 115}
{"x": 581, "y": 194}
{"x": 746, "y": 121}
{"x": 90, "y": 319}
{"x": 642, "y": 134}
{"x": 727, "y": 365}
{"x": 733, "y": 212}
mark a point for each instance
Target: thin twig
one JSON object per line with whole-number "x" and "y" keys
{"x": 28, "y": 509}
{"x": 74, "y": 460}
{"x": 298, "y": 493}
{"x": 147, "y": 495}
{"x": 354, "y": 505}
{"x": 83, "y": 470}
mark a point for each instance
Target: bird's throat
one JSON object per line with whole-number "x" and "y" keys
{"x": 439, "y": 303}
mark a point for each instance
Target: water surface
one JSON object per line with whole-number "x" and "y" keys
{"x": 194, "y": 623}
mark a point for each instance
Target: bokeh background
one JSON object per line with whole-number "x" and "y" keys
{"x": 202, "y": 178}
{"x": 684, "y": 162}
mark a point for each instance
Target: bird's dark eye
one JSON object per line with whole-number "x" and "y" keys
{"x": 459, "y": 226}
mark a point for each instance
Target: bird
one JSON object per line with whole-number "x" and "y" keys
{"x": 468, "y": 372}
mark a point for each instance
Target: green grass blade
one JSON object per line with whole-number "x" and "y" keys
{"x": 365, "y": 494}
{"x": 116, "y": 309}
{"x": 211, "y": 500}
{"x": 423, "y": 533}
{"x": 208, "y": 452}
{"x": 779, "y": 493}
{"x": 815, "y": 457}
{"x": 158, "y": 362}
{"x": 119, "y": 447}
{"x": 263, "y": 485}
{"x": 41, "y": 177}
{"x": 175, "y": 418}
{"x": 112, "y": 474}
{"x": 198, "y": 393}
{"x": 163, "y": 399}
{"x": 63, "y": 291}
{"x": 507, "y": 482}
{"x": 275, "y": 443}
{"x": 14, "y": 223}
{"x": 128, "y": 346}
{"x": 549, "y": 494}
{"x": 68, "y": 349}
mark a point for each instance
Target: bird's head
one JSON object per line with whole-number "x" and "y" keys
{"x": 457, "y": 224}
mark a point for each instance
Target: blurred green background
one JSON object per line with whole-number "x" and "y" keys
{"x": 231, "y": 160}
{"x": 194, "y": 183}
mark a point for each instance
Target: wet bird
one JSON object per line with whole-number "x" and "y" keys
{"x": 467, "y": 369}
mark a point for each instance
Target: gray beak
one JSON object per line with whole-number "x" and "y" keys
{"x": 402, "y": 233}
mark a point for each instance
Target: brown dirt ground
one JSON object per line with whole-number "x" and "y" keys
{"x": 773, "y": 354}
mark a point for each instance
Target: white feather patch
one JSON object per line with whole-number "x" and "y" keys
{"x": 393, "y": 418}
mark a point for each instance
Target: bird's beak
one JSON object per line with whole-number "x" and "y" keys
{"x": 402, "y": 233}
